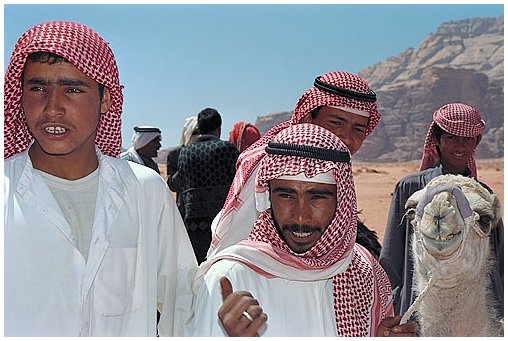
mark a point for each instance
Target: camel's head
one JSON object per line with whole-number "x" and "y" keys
{"x": 450, "y": 211}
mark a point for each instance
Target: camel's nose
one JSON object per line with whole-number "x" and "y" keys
{"x": 437, "y": 222}
{"x": 440, "y": 206}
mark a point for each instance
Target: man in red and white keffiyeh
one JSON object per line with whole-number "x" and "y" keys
{"x": 339, "y": 101}
{"x": 453, "y": 136}
{"x": 63, "y": 39}
{"x": 301, "y": 264}
{"x": 457, "y": 119}
{"x": 85, "y": 253}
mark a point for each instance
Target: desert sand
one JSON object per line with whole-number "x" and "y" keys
{"x": 375, "y": 182}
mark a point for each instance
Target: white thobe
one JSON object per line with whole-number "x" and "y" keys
{"x": 140, "y": 257}
{"x": 132, "y": 155}
{"x": 294, "y": 308}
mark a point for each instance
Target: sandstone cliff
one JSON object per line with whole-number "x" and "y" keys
{"x": 462, "y": 61}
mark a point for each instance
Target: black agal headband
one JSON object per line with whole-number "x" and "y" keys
{"x": 361, "y": 96}
{"x": 146, "y": 130}
{"x": 292, "y": 149}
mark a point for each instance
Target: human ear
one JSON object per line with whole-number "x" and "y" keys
{"x": 106, "y": 101}
{"x": 478, "y": 139}
{"x": 436, "y": 140}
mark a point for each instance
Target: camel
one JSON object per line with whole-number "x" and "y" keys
{"x": 453, "y": 217}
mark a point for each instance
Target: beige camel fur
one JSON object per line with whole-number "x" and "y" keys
{"x": 452, "y": 257}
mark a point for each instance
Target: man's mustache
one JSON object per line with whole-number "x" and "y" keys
{"x": 301, "y": 228}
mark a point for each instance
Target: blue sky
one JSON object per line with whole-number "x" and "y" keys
{"x": 244, "y": 60}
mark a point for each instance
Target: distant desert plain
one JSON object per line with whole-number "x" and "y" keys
{"x": 375, "y": 183}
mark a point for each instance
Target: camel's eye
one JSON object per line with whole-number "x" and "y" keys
{"x": 484, "y": 222}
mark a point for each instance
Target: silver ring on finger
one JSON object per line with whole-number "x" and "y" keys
{"x": 247, "y": 315}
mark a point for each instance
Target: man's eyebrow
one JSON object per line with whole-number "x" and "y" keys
{"x": 340, "y": 118}
{"x": 283, "y": 190}
{"x": 317, "y": 191}
{"x": 62, "y": 81}
{"x": 313, "y": 191}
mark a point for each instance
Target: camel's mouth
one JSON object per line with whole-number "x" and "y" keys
{"x": 442, "y": 246}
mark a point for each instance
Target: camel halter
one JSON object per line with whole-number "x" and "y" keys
{"x": 469, "y": 217}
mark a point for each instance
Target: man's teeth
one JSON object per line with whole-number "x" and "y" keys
{"x": 55, "y": 130}
{"x": 459, "y": 155}
{"x": 301, "y": 234}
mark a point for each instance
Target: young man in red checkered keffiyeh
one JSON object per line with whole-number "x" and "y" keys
{"x": 452, "y": 138}
{"x": 300, "y": 263}
{"x": 86, "y": 252}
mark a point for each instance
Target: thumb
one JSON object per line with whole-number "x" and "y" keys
{"x": 226, "y": 287}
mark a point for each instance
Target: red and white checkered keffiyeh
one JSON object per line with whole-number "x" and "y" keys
{"x": 243, "y": 135}
{"x": 309, "y": 101}
{"x": 89, "y": 53}
{"x": 362, "y": 292}
{"x": 338, "y": 239}
{"x": 315, "y": 98}
{"x": 457, "y": 119}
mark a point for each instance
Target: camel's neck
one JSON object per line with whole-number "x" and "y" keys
{"x": 458, "y": 311}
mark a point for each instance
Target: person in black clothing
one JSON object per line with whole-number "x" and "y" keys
{"x": 206, "y": 169}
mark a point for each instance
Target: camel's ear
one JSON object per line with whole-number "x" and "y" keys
{"x": 411, "y": 204}
{"x": 496, "y": 210}
{"x": 414, "y": 199}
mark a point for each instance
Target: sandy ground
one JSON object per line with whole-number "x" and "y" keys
{"x": 375, "y": 182}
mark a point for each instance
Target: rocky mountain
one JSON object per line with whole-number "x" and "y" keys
{"x": 462, "y": 61}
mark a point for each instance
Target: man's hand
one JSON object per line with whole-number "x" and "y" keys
{"x": 232, "y": 316}
{"x": 390, "y": 327}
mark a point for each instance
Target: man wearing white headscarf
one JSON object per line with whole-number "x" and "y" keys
{"x": 300, "y": 260}
{"x": 146, "y": 141}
